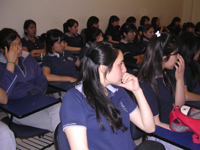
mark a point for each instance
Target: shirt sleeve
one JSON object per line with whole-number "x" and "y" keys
{"x": 47, "y": 63}
{"x": 150, "y": 97}
{"x": 7, "y": 80}
{"x": 130, "y": 105}
{"x": 73, "y": 109}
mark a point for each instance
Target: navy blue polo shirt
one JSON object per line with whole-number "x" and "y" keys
{"x": 75, "y": 41}
{"x": 166, "y": 99}
{"x": 75, "y": 111}
{"x": 30, "y": 45}
{"x": 63, "y": 66}
{"x": 114, "y": 32}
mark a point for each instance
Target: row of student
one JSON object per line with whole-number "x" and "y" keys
{"x": 74, "y": 42}
{"x": 21, "y": 76}
{"x": 161, "y": 55}
{"x": 162, "y": 85}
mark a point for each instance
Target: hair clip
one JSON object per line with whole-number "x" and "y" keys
{"x": 158, "y": 34}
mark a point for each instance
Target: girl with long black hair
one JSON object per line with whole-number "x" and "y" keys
{"x": 162, "y": 88}
{"x": 96, "y": 114}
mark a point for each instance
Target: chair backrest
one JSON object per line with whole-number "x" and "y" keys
{"x": 23, "y": 131}
{"x": 60, "y": 139}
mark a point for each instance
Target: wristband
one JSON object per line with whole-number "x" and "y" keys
{"x": 11, "y": 62}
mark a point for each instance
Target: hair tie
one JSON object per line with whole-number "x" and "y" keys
{"x": 158, "y": 34}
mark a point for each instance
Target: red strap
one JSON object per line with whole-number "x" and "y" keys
{"x": 195, "y": 138}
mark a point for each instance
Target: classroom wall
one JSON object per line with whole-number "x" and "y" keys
{"x": 50, "y": 14}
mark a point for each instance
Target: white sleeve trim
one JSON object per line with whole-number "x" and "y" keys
{"x": 133, "y": 110}
{"x": 74, "y": 126}
{"x": 11, "y": 83}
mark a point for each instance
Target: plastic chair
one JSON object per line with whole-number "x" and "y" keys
{"x": 60, "y": 139}
{"x": 24, "y": 132}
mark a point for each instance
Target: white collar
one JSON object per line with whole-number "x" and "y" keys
{"x": 109, "y": 87}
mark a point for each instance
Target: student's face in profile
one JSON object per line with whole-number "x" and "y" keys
{"x": 130, "y": 36}
{"x": 96, "y": 25}
{"x": 19, "y": 43}
{"x": 171, "y": 62}
{"x": 149, "y": 33}
{"x": 116, "y": 23}
{"x": 74, "y": 29}
{"x": 146, "y": 21}
{"x": 31, "y": 31}
{"x": 118, "y": 70}
{"x": 58, "y": 47}
{"x": 158, "y": 22}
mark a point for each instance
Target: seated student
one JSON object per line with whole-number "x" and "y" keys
{"x": 189, "y": 26}
{"x": 133, "y": 21}
{"x": 59, "y": 65}
{"x": 175, "y": 26}
{"x": 73, "y": 41}
{"x": 132, "y": 51}
{"x": 160, "y": 88}
{"x": 25, "y": 78}
{"x": 155, "y": 22}
{"x": 7, "y": 138}
{"x": 31, "y": 42}
{"x": 113, "y": 30}
{"x": 98, "y": 116}
{"x": 92, "y": 35}
{"x": 147, "y": 33}
{"x": 144, "y": 20}
{"x": 190, "y": 52}
{"x": 93, "y": 21}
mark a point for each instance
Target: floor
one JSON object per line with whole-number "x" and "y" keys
{"x": 24, "y": 143}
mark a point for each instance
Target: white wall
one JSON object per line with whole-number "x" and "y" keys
{"x": 50, "y": 14}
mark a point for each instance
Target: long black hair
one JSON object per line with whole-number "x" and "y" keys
{"x": 151, "y": 68}
{"x": 100, "y": 53}
{"x": 188, "y": 50}
{"x": 53, "y": 36}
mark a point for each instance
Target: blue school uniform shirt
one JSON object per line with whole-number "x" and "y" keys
{"x": 75, "y": 111}
{"x": 75, "y": 41}
{"x": 166, "y": 99}
{"x": 30, "y": 45}
{"x": 61, "y": 65}
{"x": 27, "y": 79}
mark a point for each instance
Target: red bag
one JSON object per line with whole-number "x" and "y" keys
{"x": 180, "y": 121}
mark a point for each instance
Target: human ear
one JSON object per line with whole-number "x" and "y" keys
{"x": 102, "y": 68}
{"x": 124, "y": 34}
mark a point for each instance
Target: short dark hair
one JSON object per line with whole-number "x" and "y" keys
{"x": 7, "y": 36}
{"x": 131, "y": 19}
{"x": 69, "y": 23}
{"x": 53, "y": 36}
{"x": 142, "y": 20}
{"x": 27, "y": 24}
{"x": 92, "y": 20}
{"x": 127, "y": 27}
